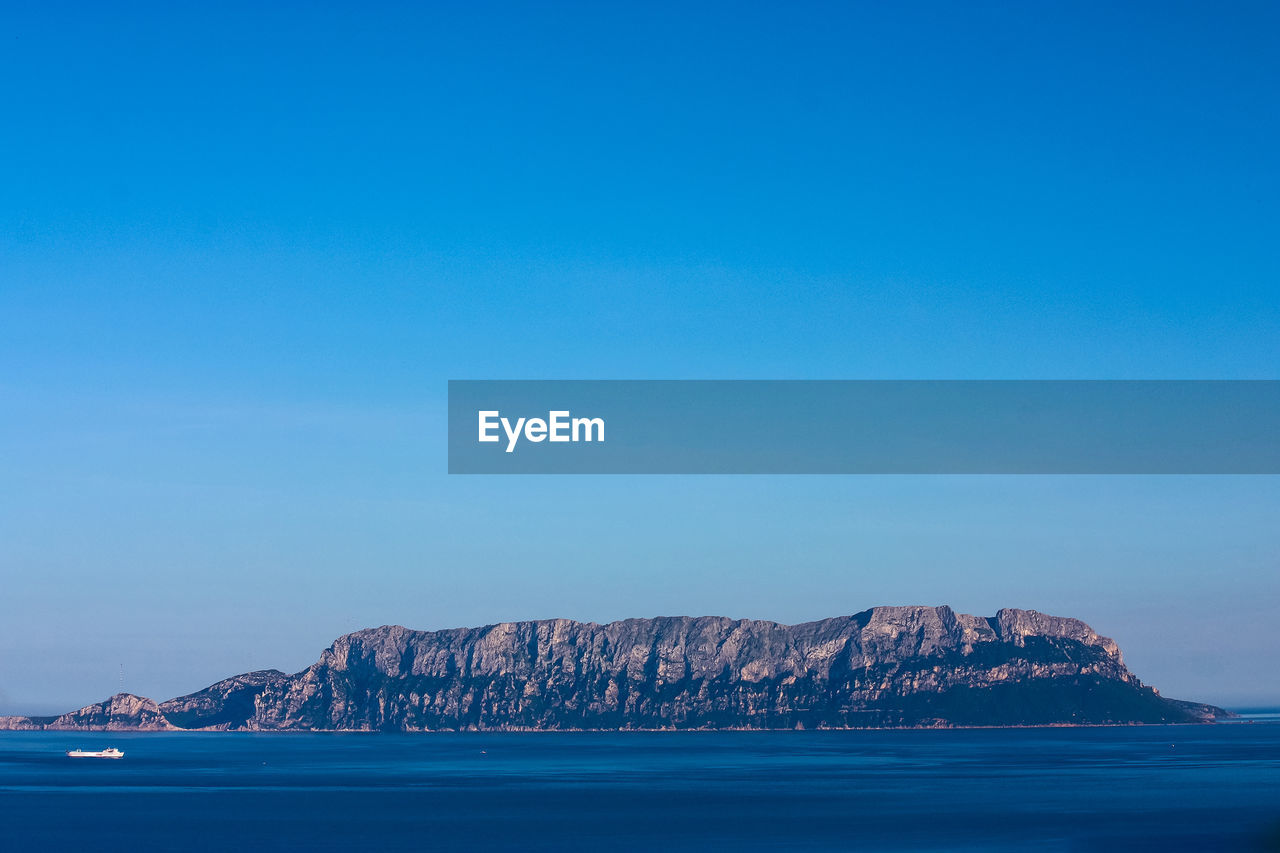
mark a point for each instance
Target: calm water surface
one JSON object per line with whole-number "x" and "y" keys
{"x": 1144, "y": 788}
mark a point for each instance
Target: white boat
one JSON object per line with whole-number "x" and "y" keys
{"x": 109, "y": 752}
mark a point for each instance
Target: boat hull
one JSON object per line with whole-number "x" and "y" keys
{"x": 106, "y": 753}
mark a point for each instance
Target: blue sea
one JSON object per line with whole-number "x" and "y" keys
{"x": 1128, "y": 788}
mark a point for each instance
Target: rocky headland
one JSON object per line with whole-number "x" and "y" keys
{"x": 884, "y": 667}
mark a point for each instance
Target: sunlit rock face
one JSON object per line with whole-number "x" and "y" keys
{"x": 884, "y": 667}
{"x": 122, "y": 712}
{"x": 889, "y": 666}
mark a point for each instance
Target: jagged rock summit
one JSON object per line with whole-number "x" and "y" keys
{"x": 884, "y": 667}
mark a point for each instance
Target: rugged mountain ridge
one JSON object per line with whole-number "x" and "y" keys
{"x": 884, "y": 667}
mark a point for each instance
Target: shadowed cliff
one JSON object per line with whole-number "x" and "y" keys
{"x": 885, "y": 667}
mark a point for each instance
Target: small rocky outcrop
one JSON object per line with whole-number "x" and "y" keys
{"x": 884, "y": 667}
{"x": 122, "y": 712}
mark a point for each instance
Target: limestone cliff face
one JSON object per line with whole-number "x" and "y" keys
{"x": 225, "y": 705}
{"x": 889, "y": 666}
{"x": 122, "y": 712}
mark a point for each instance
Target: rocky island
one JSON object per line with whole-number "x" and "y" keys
{"x": 884, "y": 667}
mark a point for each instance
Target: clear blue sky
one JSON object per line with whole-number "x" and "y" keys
{"x": 243, "y": 249}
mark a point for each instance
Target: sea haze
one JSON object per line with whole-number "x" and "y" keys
{"x": 1114, "y": 788}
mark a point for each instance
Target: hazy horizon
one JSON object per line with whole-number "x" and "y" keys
{"x": 1238, "y": 701}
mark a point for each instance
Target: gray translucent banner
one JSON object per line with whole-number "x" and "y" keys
{"x": 864, "y": 427}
